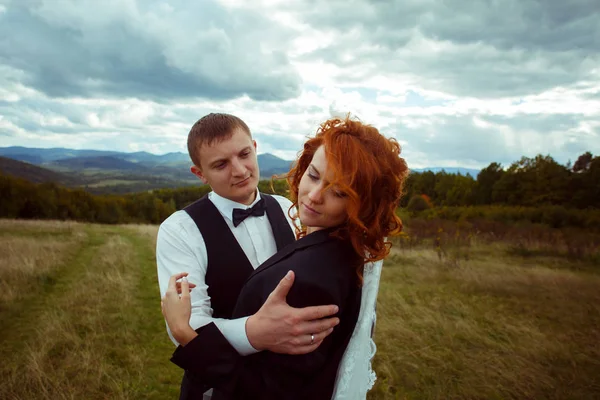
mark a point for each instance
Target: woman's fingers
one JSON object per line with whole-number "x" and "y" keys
{"x": 174, "y": 278}
{"x": 172, "y": 287}
{"x": 185, "y": 288}
{"x": 176, "y": 287}
{"x": 191, "y": 286}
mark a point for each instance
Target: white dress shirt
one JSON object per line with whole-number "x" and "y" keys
{"x": 181, "y": 248}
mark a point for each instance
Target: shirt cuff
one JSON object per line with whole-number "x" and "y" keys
{"x": 234, "y": 331}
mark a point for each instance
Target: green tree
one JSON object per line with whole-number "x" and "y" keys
{"x": 583, "y": 162}
{"x": 462, "y": 191}
{"x": 486, "y": 179}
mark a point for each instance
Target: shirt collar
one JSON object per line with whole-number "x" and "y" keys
{"x": 226, "y": 206}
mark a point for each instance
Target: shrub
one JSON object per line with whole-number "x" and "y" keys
{"x": 417, "y": 204}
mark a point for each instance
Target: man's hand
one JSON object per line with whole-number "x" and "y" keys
{"x": 279, "y": 328}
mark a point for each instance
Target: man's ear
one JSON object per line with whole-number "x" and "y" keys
{"x": 254, "y": 143}
{"x": 198, "y": 172}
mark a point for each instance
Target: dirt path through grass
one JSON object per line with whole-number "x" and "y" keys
{"x": 92, "y": 327}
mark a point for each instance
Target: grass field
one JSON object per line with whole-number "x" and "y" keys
{"x": 80, "y": 319}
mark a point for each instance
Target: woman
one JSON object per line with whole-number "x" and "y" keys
{"x": 346, "y": 186}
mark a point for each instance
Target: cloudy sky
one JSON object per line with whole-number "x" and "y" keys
{"x": 458, "y": 83}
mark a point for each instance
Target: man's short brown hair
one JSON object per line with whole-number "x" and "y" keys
{"x": 214, "y": 127}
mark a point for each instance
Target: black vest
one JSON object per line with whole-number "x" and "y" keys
{"x": 228, "y": 266}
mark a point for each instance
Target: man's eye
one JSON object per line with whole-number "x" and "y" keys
{"x": 220, "y": 166}
{"x": 246, "y": 154}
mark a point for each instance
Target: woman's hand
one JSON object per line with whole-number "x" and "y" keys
{"x": 177, "y": 308}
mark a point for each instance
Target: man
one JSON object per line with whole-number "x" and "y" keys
{"x": 222, "y": 237}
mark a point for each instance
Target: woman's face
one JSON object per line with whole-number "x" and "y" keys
{"x": 319, "y": 209}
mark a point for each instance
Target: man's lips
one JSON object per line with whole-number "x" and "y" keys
{"x": 310, "y": 209}
{"x": 240, "y": 183}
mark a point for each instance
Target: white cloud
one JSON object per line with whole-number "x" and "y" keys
{"x": 456, "y": 87}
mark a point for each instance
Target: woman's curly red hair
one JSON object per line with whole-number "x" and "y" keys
{"x": 367, "y": 167}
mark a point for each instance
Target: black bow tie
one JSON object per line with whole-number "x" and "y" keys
{"x": 256, "y": 210}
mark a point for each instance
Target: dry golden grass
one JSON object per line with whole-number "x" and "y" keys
{"x": 64, "y": 357}
{"x": 32, "y": 253}
{"x": 148, "y": 232}
{"x": 490, "y": 327}
{"x": 477, "y": 320}
{"x": 32, "y": 226}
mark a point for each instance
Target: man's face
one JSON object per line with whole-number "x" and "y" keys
{"x": 230, "y": 167}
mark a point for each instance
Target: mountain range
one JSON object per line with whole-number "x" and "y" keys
{"x": 117, "y": 172}
{"x": 112, "y": 171}
{"x": 57, "y": 158}
{"x": 39, "y": 156}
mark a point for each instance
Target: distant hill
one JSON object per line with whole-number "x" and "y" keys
{"x": 148, "y": 158}
{"x": 100, "y": 162}
{"x": 47, "y": 155}
{"x": 41, "y": 156}
{"x": 34, "y": 173}
{"x": 272, "y": 165}
{"x": 165, "y": 164}
{"x": 112, "y": 171}
{"x": 105, "y": 169}
{"x": 450, "y": 170}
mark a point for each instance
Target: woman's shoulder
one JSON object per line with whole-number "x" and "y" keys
{"x": 319, "y": 260}
{"x": 332, "y": 257}
{"x": 329, "y": 247}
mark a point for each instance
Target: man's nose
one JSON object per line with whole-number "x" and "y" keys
{"x": 238, "y": 167}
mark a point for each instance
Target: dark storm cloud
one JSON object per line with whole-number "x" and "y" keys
{"x": 197, "y": 49}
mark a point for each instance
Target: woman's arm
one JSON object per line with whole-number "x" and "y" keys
{"x": 320, "y": 277}
{"x": 215, "y": 362}
{"x": 329, "y": 281}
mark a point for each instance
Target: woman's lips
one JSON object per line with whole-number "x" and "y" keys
{"x": 311, "y": 210}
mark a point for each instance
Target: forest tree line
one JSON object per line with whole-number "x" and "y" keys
{"x": 523, "y": 190}
{"x": 22, "y": 199}
{"x": 529, "y": 182}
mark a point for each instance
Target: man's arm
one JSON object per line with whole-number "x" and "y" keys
{"x": 205, "y": 352}
{"x": 174, "y": 254}
{"x": 282, "y": 329}
{"x": 276, "y": 327}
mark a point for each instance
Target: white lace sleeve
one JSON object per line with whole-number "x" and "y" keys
{"x": 355, "y": 375}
